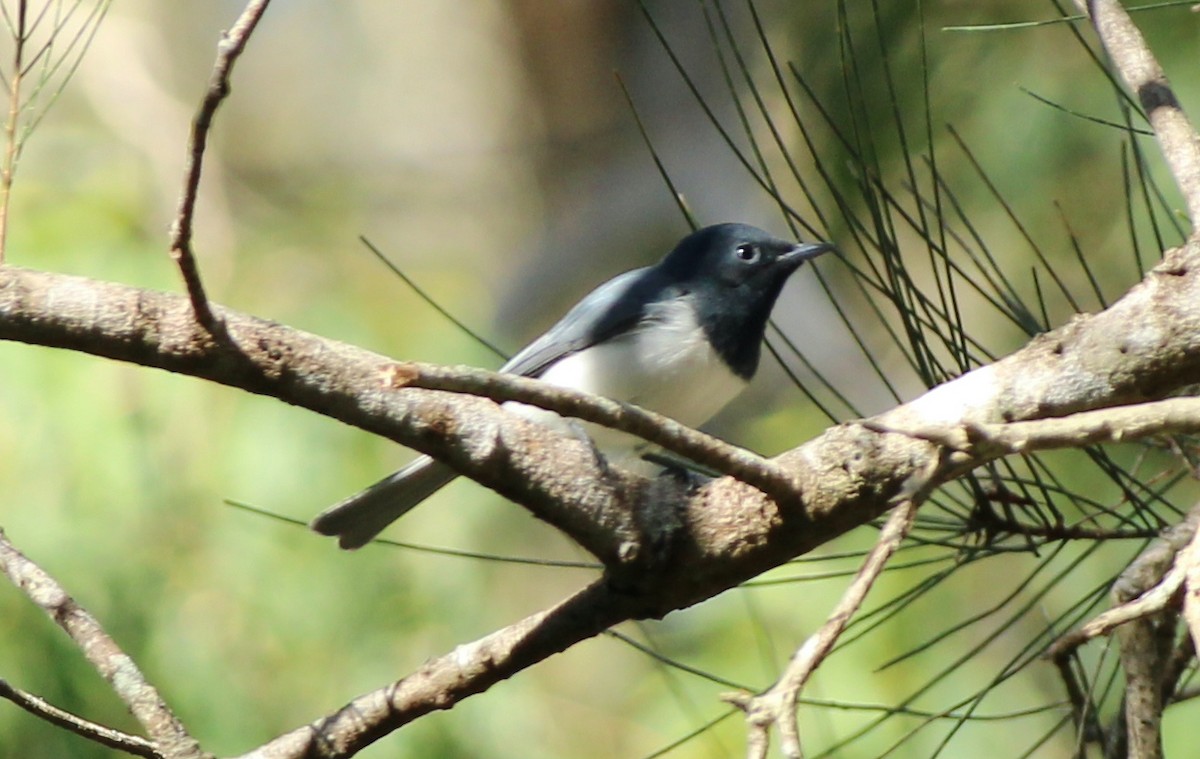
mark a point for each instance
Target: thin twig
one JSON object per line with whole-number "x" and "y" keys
{"x": 777, "y": 705}
{"x": 1148, "y": 585}
{"x": 105, "y": 736}
{"x": 11, "y": 147}
{"x": 678, "y": 438}
{"x": 228, "y": 49}
{"x": 1107, "y": 425}
{"x": 1083, "y": 709}
{"x": 113, "y": 664}
{"x": 1152, "y": 601}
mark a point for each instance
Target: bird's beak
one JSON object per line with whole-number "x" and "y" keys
{"x": 801, "y": 252}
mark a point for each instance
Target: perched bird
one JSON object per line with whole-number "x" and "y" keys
{"x": 681, "y": 338}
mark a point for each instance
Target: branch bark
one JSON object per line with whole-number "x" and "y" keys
{"x": 105, "y": 736}
{"x": 777, "y": 705}
{"x": 665, "y": 545}
{"x": 1134, "y": 61}
{"x": 442, "y": 682}
{"x": 706, "y": 539}
{"x": 229, "y": 49}
{"x": 169, "y": 735}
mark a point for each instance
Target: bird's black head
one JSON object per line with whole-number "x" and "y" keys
{"x": 734, "y": 274}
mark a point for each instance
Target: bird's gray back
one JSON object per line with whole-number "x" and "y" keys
{"x": 613, "y": 307}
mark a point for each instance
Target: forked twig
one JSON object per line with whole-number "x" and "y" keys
{"x": 113, "y": 664}
{"x": 229, "y": 48}
{"x": 1152, "y": 601}
{"x": 777, "y": 705}
{"x": 1148, "y": 585}
{"x": 1144, "y": 593}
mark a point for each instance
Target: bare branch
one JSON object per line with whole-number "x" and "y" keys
{"x": 1142, "y": 74}
{"x": 655, "y": 428}
{"x": 777, "y": 705}
{"x": 228, "y": 50}
{"x": 1146, "y": 642}
{"x": 122, "y": 674}
{"x": 442, "y": 682}
{"x": 1148, "y": 585}
{"x": 1190, "y": 560}
{"x": 848, "y": 475}
{"x": 1109, "y": 425}
{"x": 1144, "y": 592}
{"x": 1158, "y": 598}
{"x": 105, "y": 736}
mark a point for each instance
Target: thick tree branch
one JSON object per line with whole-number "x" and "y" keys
{"x": 523, "y": 461}
{"x": 165, "y": 730}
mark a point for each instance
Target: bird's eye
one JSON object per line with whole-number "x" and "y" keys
{"x": 747, "y": 253}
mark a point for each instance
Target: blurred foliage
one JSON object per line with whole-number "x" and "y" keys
{"x": 498, "y": 165}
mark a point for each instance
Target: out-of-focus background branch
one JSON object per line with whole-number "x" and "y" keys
{"x": 488, "y": 150}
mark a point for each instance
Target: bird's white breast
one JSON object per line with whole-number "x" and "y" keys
{"x": 665, "y": 364}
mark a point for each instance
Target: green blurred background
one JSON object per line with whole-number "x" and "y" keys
{"x": 487, "y": 148}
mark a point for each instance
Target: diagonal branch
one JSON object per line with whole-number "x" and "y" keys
{"x": 1159, "y": 597}
{"x": 655, "y": 428}
{"x": 721, "y": 534}
{"x": 105, "y": 736}
{"x": 777, "y": 705}
{"x": 228, "y": 50}
{"x": 167, "y": 732}
{"x": 442, "y": 682}
{"x": 1147, "y": 588}
{"x": 1132, "y": 57}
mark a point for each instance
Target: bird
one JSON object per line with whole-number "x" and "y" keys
{"x": 682, "y": 338}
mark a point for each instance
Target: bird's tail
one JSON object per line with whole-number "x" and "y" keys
{"x": 362, "y": 516}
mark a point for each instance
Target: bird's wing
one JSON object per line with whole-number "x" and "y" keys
{"x": 612, "y": 308}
